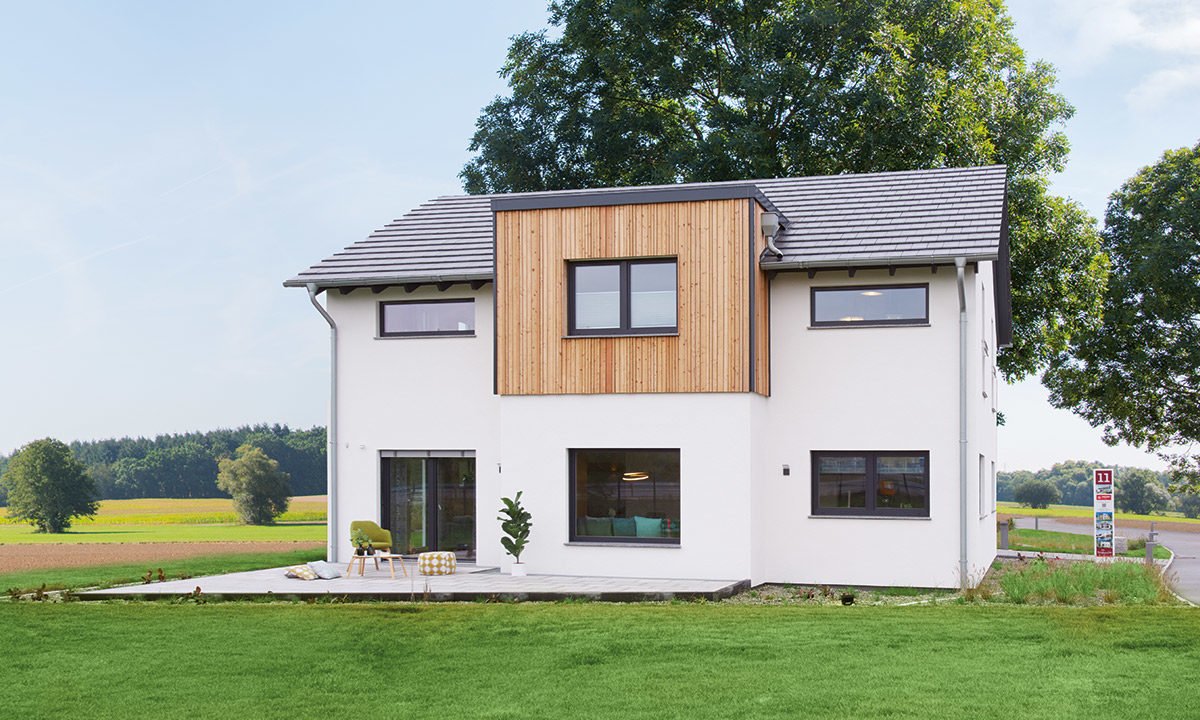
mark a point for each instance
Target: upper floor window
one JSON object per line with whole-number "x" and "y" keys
{"x": 870, "y": 305}
{"x": 413, "y": 318}
{"x": 622, "y": 297}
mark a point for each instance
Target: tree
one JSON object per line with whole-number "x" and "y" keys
{"x": 260, "y": 490}
{"x": 1189, "y": 504}
{"x": 1037, "y": 493}
{"x": 48, "y": 487}
{"x": 1139, "y": 491}
{"x": 1137, "y": 374}
{"x": 663, "y": 91}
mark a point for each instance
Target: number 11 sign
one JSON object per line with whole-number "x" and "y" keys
{"x": 1103, "y": 508}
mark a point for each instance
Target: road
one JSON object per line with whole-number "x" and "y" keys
{"x": 1185, "y": 545}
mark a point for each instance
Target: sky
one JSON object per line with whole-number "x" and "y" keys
{"x": 165, "y": 167}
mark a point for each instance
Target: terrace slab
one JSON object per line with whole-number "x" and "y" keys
{"x": 470, "y": 583}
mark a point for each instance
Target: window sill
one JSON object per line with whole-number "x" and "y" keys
{"x": 868, "y": 517}
{"x": 425, "y": 336}
{"x": 873, "y": 326}
{"x": 583, "y": 543}
{"x": 621, "y": 335}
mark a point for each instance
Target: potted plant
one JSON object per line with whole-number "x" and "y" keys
{"x": 361, "y": 542}
{"x": 515, "y": 522}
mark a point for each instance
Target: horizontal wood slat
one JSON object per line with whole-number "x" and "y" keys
{"x": 711, "y": 352}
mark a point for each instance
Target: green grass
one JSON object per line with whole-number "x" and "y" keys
{"x": 128, "y": 532}
{"x": 107, "y": 575}
{"x": 1074, "y": 583}
{"x": 1027, "y": 540}
{"x": 1011, "y": 508}
{"x": 592, "y": 660}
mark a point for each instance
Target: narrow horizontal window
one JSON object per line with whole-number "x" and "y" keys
{"x": 870, "y": 305}
{"x": 426, "y": 317}
{"x": 625, "y": 496}
{"x": 622, "y": 297}
{"x": 871, "y": 483}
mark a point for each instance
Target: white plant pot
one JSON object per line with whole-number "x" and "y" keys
{"x": 518, "y": 569}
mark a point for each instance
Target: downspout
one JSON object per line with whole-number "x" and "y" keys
{"x": 960, "y": 265}
{"x": 331, "y": 550}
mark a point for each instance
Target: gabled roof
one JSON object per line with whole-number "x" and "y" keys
{"x": 893, "y": 218}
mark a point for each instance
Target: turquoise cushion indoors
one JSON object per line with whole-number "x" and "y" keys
{"x": 624, "y": 527}
{"x": 648, "y": 527}
{"x": 598, "y": 526}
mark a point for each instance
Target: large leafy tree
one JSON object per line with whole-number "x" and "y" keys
{"x": 1137, "y": 374}
{"x": 47, "y": 487}
{"x": 657, "y": 91}
{"x": 260, "y": 490}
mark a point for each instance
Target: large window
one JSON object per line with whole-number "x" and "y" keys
{"x": 871, "y": 483}
{"x": 627, "y": 496}
{"x": 870, "y": 305}
{"x": 426, "y": 317}
{"x": 626, "y": 297}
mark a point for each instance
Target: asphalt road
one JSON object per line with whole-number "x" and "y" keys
{"x": 1185, "y": 545}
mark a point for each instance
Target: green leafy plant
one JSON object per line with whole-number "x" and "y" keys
{"x": 515, "y": 521}
{"x": 360, "y": 540}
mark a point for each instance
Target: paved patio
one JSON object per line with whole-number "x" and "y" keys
{"x": 469, "y": 583}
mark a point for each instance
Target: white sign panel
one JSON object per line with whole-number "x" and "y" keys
{"x": 1104, "y": 509}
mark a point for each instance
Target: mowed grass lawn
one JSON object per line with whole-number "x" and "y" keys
{"x": 177, "y": 520}
{"x": 1060, "y": 542}
{"x": 1081, "y": 511}
{"x": 155, "y": 660}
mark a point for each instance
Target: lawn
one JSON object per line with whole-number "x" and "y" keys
{"x": 187, "y": 511}
{"x": 588, "y": 660}
{"x": 1082, "y": 511}
{"x": 107, "y": 575}
{"x": 1050, "y": 541}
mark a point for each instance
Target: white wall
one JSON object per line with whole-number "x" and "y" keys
{"x": 408, "y": 394}
{"x": 862, "y": 389}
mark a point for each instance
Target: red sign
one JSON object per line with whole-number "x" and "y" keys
{"x": 1103, "y": 525}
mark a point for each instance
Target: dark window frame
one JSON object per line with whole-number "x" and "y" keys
{"x": 816, "y": 289}
{"x": 573, "y": 521}
{"x": 624, "y": 290}
{"x": 436, "y": 333}
{"x": 872, "y": 483}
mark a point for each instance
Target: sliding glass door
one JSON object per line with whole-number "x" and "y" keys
{"x": 428, "y": 503}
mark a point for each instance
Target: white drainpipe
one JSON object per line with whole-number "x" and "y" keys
{"x": 960, "y": 265}
{"x": 331, "y": 551}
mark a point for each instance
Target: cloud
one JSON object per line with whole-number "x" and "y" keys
{"x": 1163, "y": 85}
{"x": 1099, "y": 27}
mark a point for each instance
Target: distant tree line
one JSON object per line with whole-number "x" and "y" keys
{"x": 186, "y": 465}
{"x": 1139, "y": 490}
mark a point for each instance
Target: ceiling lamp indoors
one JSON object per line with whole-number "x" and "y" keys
{"x": 872, "y": 293}
{"x": 635, "y": 476}
{"x": 851, "y": 318}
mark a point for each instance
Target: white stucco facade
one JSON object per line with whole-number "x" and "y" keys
{"x": 849, "y": 389}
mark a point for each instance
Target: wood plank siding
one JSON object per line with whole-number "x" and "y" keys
{"x": 712, "y": 351}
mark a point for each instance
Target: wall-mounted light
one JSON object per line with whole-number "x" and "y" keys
{"x": 769, "y": 222}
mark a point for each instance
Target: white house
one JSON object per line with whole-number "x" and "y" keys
{"x": 786, "y": 380}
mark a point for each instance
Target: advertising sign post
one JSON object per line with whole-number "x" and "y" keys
{"x": 1103, "y": 508}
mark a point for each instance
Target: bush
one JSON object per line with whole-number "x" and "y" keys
{"x": 1037, "y": 493}
{"x": 47, "y": 486}
{"x": 260, "y": 491}
{"x": 1190, "y": 505}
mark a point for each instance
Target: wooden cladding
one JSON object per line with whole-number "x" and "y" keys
{"x": 722, "y": 300}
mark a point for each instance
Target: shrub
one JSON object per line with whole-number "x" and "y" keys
{"x": 1037, "y": 493}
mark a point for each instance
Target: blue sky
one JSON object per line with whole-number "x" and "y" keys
{"x": 164, "y": 167}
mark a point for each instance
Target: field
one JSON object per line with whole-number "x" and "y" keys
{"x": 588, "y": 660}
{"x": 185, "y": 537}
{"x": 1173, "y": 520}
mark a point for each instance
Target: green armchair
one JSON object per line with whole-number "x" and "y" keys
{"x": 380, "y": 539}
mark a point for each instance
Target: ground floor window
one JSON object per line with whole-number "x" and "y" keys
{"x": 428, "y": 502}
{"x": 871, "y": 483}
{"x": 628, "y": 496}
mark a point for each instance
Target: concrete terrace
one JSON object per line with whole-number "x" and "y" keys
{"x": 469, "y": 584}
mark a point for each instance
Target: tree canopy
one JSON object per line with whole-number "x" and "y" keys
{"x": 260, "y": 490}
{"x": 1139, "y": 491}
{"x": 662, "y": 91}
{"x": 1137, "y": 373}
{"x": 1037, "y": 493}
{"x": 47, "y": 487}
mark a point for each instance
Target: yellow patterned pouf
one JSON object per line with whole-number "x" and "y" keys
{"x": 437, "y": 563}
